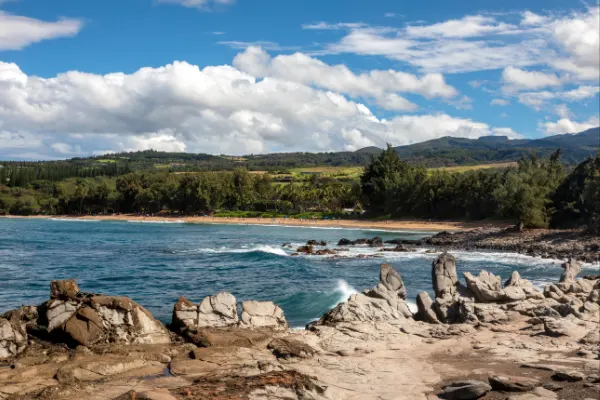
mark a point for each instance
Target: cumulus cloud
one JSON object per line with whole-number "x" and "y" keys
{"x": 216, "y": 109}
{"x": 565, "y": 125}
{"x": 516, "y": 79}
{"x": 18, "y": 32}
{"x": 379, "y": 84}
{"x": 468, "y": 26}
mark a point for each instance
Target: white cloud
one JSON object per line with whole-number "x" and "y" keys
{"x": 563, "y": 111}
{"x": 516, "y": 79}
{"x": 336, "y": 26}
{"x": 217, "y": 109}
{"x": 303, "y": 69}
{"x": 391, "y": 101}
{"x": 499, "y": 102}
{"x": 18, "y": 32}
{"x": 537, "y": 99}
{"x": 199, "y": 4}
{"x": 565, "y": 125}
{"x": 468, "y": 26}
{"x": 508, "y": 132}
{"x": 569, "y": 43}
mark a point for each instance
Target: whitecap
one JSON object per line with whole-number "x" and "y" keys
{"x": 177, "y": 221}
{"x": 76, "y": 219}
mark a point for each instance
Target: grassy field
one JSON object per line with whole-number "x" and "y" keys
{"x": 465, "y": 168}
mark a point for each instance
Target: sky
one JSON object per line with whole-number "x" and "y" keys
{"x": 80, "y": 78}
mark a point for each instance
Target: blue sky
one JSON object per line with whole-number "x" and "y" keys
{"x": 255, "y": 76}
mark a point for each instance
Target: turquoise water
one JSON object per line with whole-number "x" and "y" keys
{"x": 155, "y": 263}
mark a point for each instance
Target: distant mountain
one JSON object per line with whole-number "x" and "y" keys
{"x": 456, "y": 151}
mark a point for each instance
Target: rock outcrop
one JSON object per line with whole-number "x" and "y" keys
{"x": 262, "y": 314}
{"x": 444, "y": 276}
{"x": 384, "y": 302}
{"x": 75, "y": 318}
{"x": 213, "y": 311}
{"x": 13, "y": 337}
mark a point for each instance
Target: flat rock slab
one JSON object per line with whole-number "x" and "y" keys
{"x": 568, "y": 376}
{"x": 513, "y": 383}
{"x": 465, "y": 390}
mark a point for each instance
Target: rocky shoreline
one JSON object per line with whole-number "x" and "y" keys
{"x": 546, "y": 243}
{"x": 478, "y": 339}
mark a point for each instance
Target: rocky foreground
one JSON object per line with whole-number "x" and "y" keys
{"x": 481, "y": 339}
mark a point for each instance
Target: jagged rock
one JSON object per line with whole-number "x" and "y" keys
{"x": 466, "y": 390}
{"x": 374, "y": 242}
{"x": 425, "y": 313}
{"x": 490, "y": 313}
{"x": 444, "y": 276}
{"x": 486, "y": 287}
{"x": 452, "y": 309}
{"x": 571, "y": 269}
{"x": 290, "y": 348}
{"x": 13, "y": 337}
{"x": 513, "y": 383}
{"x": 313, "y": 242}
{"x": 517, "y": 288}
{"x": 213, "y": 311}
{"x": 65, "y": 289}
{"x": 263, "y": 314}
{"x": 592, "y": 337}
{"x": 89, "y": 319}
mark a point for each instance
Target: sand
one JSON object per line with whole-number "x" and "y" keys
{"x": 358, "y": 224}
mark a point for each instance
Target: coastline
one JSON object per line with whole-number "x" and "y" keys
{"x": 349, "y": 224}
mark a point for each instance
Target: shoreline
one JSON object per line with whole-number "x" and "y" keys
{"x": 348, "y": 224}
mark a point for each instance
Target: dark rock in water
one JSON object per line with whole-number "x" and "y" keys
{"x": 465, "y": 390}
{"x": 308, "y": 249}
{"x": 316, "y": 243}
{"x": 398, "y": 248}
{"x": 324, "y": 252}
{"x": 286, "y": 244}
{"x": 374, "y": 242}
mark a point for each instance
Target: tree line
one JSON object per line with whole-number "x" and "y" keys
{"x": 538, "y": 192}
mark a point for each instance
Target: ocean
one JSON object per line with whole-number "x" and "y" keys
{"x": 154, "y": 263}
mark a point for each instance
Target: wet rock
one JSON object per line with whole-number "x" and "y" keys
{"x": 374, "y": 242}
{"x": 465, "y": 390}
{"x": 399, "y": 248}
{"x": 486, "y": 287}
{"x": 308, "y": 249}
{"x": 213, "y": 311}
{"x": 288, "y": 348}
{"x": 316, "y": 243}
{"x": 512, "y": 383}
{"x": 568, "y": 376}
{"x": 263, "y": 314}
{"x": 444, "y": 276}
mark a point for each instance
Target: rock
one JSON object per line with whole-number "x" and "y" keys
{"x": 571, "y": 269}
{"x": 486, "y": 287}
{"x": 512, "y": 383}
{"x": 313, "y": 242}
{"x": 562, "y": 327}
{"x": 308, "y": 249}
{"x": 213, "y": 311}
{"x": 263, "y": 314}
{"x": 287, "y": 348}
{"x": 104, "y": 367}
{"x": 425, "y": 312}
{"x": 517, "y": 288}
{"x": 553, "y": 386}
{"x": 466, "y": 390}
{"x": 568, "y": 376}
{"x": 444, "y": 276}
{"x": 592, "y": 337}
{"x": 399, "y": 248}
{"x": 374, "y": 242}
{"x": 13, "y": 337}
{"x": 490, "y": 313}
{"x": 65, "y": 289}
{"x": 594, "y": 378}
{"x": 91, "y": 319}
{"x": 345, "y": 242}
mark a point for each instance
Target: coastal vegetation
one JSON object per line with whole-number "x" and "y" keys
{"x": 537, "y": 192}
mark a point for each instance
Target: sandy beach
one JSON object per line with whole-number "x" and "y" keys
{"x": 359, "y": 224}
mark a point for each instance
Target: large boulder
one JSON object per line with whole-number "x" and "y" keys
{"x": 384, "y": 302}
{"x": 444, "y": 276}
{"x": 425, "y": 311}
{"x": 486, "y": 287}
{"x": 85, "y": 319}
{"x": 517, "y": 288}
{"x": 263, "y": 314}
{"x": 213, "y": 311}
{"x": 571, "y": 269}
